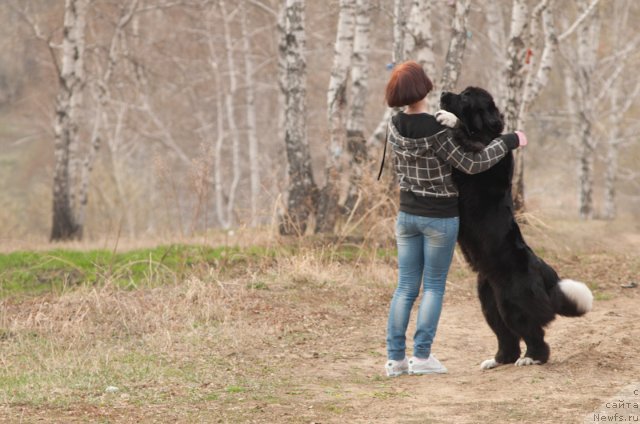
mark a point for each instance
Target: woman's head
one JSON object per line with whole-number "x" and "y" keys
{"x": 408, "y": 84}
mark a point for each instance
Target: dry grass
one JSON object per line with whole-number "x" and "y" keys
{"x": 295, "y": 338}
{"x": 170, "y": 346}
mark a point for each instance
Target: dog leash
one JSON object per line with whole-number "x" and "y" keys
{"x": 384, "y": 152}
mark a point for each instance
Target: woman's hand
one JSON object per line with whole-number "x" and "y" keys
{"x": 447, "y": 119}
{"x": 522, "y": 138}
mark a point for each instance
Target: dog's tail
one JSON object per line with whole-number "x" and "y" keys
{"x": 571, "y": 298}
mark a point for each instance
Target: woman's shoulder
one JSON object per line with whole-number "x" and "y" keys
{"x": 414, "y": 116}
{"x": 416, "y": 125}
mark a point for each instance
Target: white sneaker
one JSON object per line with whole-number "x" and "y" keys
{"x": 396, "y": 368}
{"x": 426, "y": 366}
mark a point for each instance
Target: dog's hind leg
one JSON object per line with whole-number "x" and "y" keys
{"x": 537, "y": 349}
{"x": 527, "y": 315}
{"x": 508, "y": 341}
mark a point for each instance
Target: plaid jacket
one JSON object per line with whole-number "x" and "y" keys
{"x": 424, "y": 164}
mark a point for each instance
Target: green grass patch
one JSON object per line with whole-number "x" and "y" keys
{"x": 32, "y": 273}
{"x": 28, "y": 273}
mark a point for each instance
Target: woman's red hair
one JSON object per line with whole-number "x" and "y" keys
{"x": 408, "y": 84}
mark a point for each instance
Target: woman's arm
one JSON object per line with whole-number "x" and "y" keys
{"x": 445, "y": 147}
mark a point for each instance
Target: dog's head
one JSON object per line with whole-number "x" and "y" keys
{"x": 476, "y": 109}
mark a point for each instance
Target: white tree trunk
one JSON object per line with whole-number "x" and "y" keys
{"x": 497, "y": 41}
{"x": 620, "y": 102}
{"x": 360, "y": 67}
{"x": 419, "y": 42}
{"x": 515, "y": 62}
{"x": 457, "y": 46}
{"x": 230, "y": 95}
{"x": 336, "y": 104}
{"x": 537, "y": 77}
{"x": 66, "y": 124}
{"x": 588, "y": 38}
{"x": 455, "y": 52}
{"x": 102, "y": 96}
{"x": 521, "y": 66}
{"x": 223, "y": 218}
{"x": 397, "y": 56}
{"x": 611, "y": 172}
{"x": 254, "y": 165}
{"x": 536, "y": 80}
{"x": 514, "y": 78}
{"x": 356, "y": 142}
{"x": 399, "y": 31}
{"x": 302, "y": 194}
{"x": 218, "y": 156}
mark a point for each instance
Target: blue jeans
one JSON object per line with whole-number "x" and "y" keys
{"x": 425, "y": 250}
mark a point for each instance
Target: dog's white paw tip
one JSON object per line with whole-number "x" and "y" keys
{"x": 489, "y": 363}
{"x": 522, "y": 362}
{"x": 445, "y": 118}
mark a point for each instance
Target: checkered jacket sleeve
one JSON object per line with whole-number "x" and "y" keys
{"x": 448, "y": 150}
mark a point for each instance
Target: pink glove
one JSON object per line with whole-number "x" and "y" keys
{"x": 522, "y": 138}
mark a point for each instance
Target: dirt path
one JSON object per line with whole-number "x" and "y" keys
{"x": 593, "y": 358}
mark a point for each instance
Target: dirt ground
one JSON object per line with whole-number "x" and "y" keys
{"x": 593, "y": 358}
{"x": 302, "y": 340}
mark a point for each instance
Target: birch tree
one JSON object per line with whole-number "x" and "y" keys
{"x": 514, "y": 81}
{"x": 622, "y": 96}
{"x": 336, "y": 104}
{"x": 254, "y": 166}
{"x": 102, "y": 80}
{"x": 230, "y": 106}
{"x": 302, "y": 189}
{"x": 356, "y": 141}
{"x": 69, "y": 103}
{"x": 536, "y": 78}
{"x": 397, "y": 56}
{"x": 588, "y": 38}
{"x": 419, "y": 38}
{"x": 419, "y": 42}
{"x": 496, "y": 35}
{"x": 455, "y": 51}
{"x": 524, "y": 76}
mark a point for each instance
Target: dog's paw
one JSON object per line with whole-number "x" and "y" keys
{"x": 489, "y": 363}
{"x": 523, "y": 362}
{"x": 447, "y": 119}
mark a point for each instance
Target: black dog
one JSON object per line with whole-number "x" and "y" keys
{"x": 519, "y": 292}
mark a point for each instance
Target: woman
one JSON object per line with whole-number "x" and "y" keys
{"x": 427, "y": 223}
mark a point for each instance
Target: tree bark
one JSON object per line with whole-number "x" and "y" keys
{"x": 497, "y": 40}
{"x": 356, "y": 142}
{"x": 399, "y": 31}
{"x": 102, "y": 96}
{"x": 230, "y": 96}
{"x": 515, "y": 81}
{"x": 620, "y": 102}
{"x": 419, "y": 42}
{"x": 534, "y": 82}
{"x": 254, "y": 166}
{"x": 397, "y": 56}
{"x": 611, "y": 172}
{"x": 69, "y": 102}
{"x": 336, "y": 104}
{"x": 457, "y": 46}
{"x": 302, "y": 190}
{"x": 588, "y": 38}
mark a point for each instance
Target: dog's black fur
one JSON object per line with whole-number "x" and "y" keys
{"x": 519, "y": 292}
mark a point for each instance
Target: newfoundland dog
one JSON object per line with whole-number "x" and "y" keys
{"x": 519, "y": 292}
